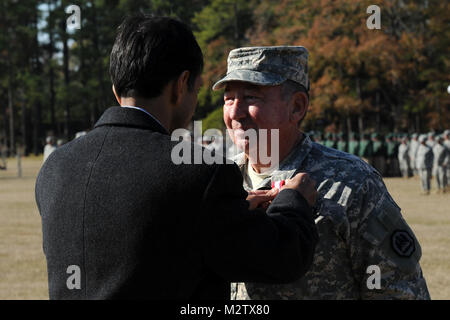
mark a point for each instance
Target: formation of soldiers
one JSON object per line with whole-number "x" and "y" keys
{"x": 400, "y": 154}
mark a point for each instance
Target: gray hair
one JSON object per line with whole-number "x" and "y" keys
{"x": 288, "y": 88}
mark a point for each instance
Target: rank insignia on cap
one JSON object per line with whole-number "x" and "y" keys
{"x": 403, "y": 243}
{"x": 278, "y": 184}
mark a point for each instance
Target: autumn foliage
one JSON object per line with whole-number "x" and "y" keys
{"x": 391, "y": 79}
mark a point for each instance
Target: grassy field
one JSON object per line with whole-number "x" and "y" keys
{"x": 22, "y": 263}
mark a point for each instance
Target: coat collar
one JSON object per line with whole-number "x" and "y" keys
{"x": 127, "y": 117}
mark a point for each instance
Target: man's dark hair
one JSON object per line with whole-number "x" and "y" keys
{"x": 149, "y": 52}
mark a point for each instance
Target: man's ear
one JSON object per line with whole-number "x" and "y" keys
{"x": 299, "y": 106}
{"x": 180, "y": 86}
{"x": 116, "y": 95}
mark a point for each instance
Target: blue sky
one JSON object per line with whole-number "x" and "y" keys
{"x": 42, "y": 36}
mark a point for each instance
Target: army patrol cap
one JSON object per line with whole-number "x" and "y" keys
{"x": 267, "y": 66}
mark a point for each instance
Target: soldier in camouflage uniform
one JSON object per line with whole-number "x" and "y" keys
{"x": 342, "y": 142}
{"x": 430, "y": 142}
{"x": 319, "y": 137}
{"x": 3, "y": 153}
{"x": 365, "y": 148}
{"x": 446, "y": 144}
{"x": 378, "y": 154}
{"x": 330, "y": 141}
{"x": 413, "y": 145}
{"x": 440, "y": 163}
{"x": 403, "y": 157}
{"x": 360, "y": 226}
{"x": 390, "y": 155}
{"x": 353, "y": 144}
{"x": 396, "y": 165}
{"x": 424, "y": 163}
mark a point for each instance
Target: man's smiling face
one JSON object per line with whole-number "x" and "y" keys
{"x": 248, "y": 106}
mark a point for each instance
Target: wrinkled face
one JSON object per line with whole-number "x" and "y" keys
{"x": 248, "y": 106}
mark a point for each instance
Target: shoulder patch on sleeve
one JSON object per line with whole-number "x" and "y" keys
{"x": 403, "y": 243}
{"x": 383, "y": 219}
{"x": 389, "y": 232}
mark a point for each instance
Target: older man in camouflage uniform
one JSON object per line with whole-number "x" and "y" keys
{"x": 360, "y": 226}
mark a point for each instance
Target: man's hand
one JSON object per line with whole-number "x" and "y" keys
{"x": 303, "y": 184}
{"x": 261, "y": 198}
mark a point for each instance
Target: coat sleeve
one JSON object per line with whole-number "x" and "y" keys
{"x": 244, "y": 245}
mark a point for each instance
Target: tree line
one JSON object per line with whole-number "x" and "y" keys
{"x": 54, "y": 81}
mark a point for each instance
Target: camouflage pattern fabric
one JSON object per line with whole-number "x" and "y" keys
{"x": 267, "y": 66}
{"x": 414, "y": 144}
{"x": 447, "y": 173}
{"x": 403, "y": 159}
{"x": 342, "y": 145}
{"x": 359, "y": 225}
{"x": 441, "y": 159}
{"x": 424, "y": 157}
{"x": 365, "y": 148}
{"x": 353, "y": 147}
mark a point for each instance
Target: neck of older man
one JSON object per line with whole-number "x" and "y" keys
{"x": 286, "y": 144}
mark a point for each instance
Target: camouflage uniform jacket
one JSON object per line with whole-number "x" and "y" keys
{"x": 359, "y": 225}
{"x": 447, "y": 144}
{"x": 413, "y": 146}
{"x": 424, "y": 157}
{"x": 440, "y": 156}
